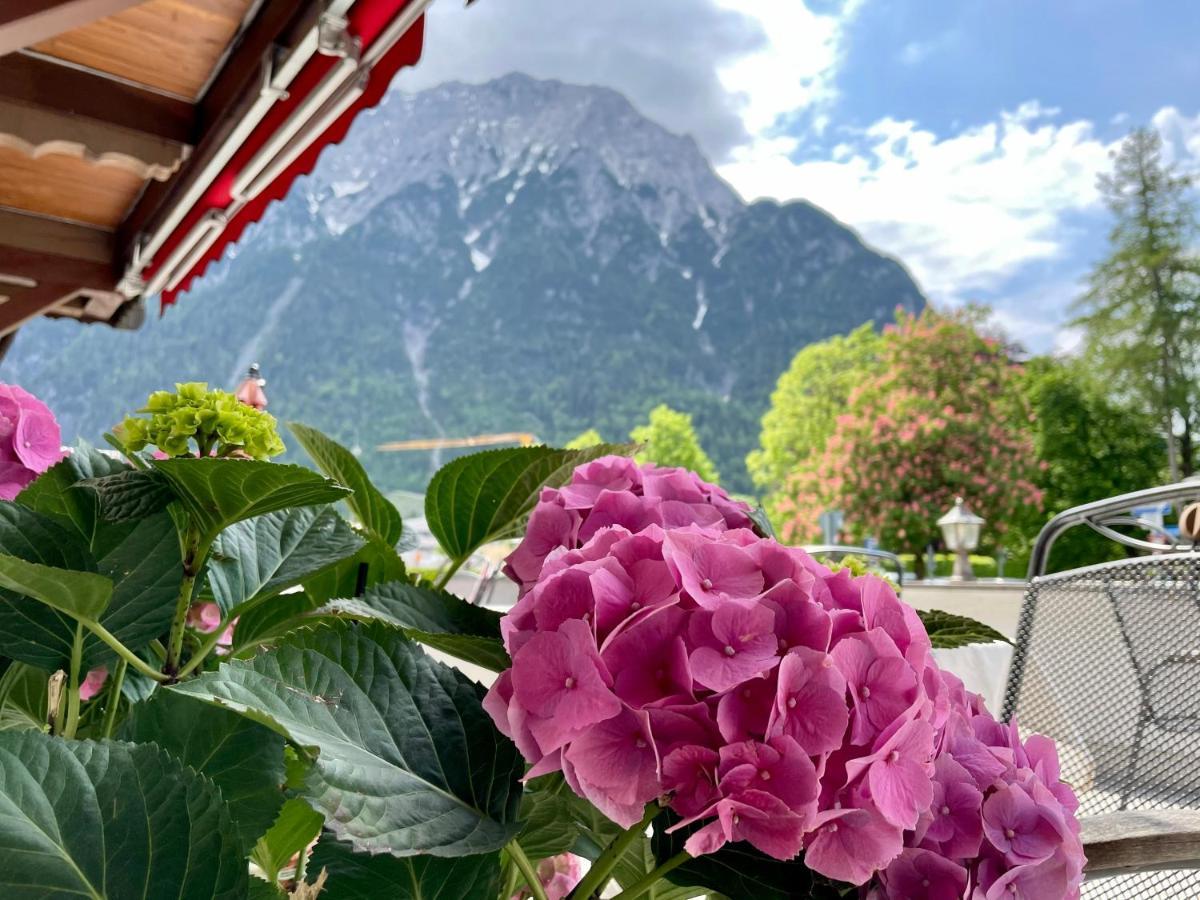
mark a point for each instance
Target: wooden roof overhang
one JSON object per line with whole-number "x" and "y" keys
{"x": 137, "y": 139}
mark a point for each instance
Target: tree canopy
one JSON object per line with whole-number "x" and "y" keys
{"x": 1141, "y": 313}
{"x": 669, "y": 439}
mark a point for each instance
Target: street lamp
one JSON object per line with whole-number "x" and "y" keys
{"x": 960, "y": 527}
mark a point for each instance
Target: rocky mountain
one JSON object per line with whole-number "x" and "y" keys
{"x": 521, "y": 255}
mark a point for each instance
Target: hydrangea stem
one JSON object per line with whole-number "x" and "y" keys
{"x": 193, "y": 560}
{"x": 444, "y": 578}
{"x": 598, "y": 875}
{"x": 647, "y": 881}
{"x": 206, "y": 647}
{"x": 72, "y": 721}
{"x": 527, "y": 870}
{"x": 114, "y": 698}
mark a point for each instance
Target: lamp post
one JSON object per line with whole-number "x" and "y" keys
{"x": 960, "y": 527}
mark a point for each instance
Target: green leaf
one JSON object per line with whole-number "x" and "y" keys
{"x": 220, "y": 492}
{"x": 140, "y": 556}
{"x": 762, "y": 524}
{"x": 81, "y": 595}
{"x": 548, "y": 827}
{"x": 110, "y": 820}
{"x": 374, "y": 511}
{"x": 23, "y": 693}
{"x": 737, "y": 870}
{"x": 346, "y": 579}
{"x": 270, "y": 621}
{"x": 29, "y": 630}
{"x": 244, "y": 759}
{"x": 129, "y": 494}
{"x": 947, "y": 630}
{"x": 357, "y": 876}
{"x": 297, "y": 826}
{"x": 52, "y": 494}
{"x": 485, "y": 496}
{"x": 433, "y": 617}
{"x": 407, "y": 760}
{"x": 258, "y": 558}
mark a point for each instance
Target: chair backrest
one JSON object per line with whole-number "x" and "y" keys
{"x": 1107, "y": 662}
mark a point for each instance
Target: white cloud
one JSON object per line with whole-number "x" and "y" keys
{"x": 964, "y": 211}
{"x": 795, "y": 67}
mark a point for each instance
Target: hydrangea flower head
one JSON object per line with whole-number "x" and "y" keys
{"x": 196, "y": 421}
{"x": 30, "y": 440}
{"x": 665, "y": 652}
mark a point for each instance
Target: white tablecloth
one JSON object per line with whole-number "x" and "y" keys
{"x": 983, "y": 668}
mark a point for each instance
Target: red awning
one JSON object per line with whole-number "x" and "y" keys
{"x": 321, "y": 103}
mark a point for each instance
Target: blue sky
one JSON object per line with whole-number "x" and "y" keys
{"x": 963, "y": 137}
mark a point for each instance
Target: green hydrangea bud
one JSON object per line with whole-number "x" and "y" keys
{"x": 196, "y": 421}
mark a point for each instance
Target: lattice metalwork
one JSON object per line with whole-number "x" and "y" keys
{"x": 1108, "y": 664}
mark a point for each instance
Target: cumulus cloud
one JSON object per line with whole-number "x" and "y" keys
{"x": 964, "y": 211}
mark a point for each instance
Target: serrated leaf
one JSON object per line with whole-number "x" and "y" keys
{"x": 947, "y": 630}
{"x": 358, "y": 876}
{"x": 128, "y": 494}
{"x": 81, "y": 595}
{"x": 548, "y": 827}
{"x": 244, "y": 759}
{"x": 23, "y": 692}
{"x": 373, "y": 510}
{"x": 762, "y": 522}
{"x": 218, "y": 493}
{"x": 30, "y": 631}
{"x": 434, "y": 617}
{"x": 141, "y": 557}
{"x": 53, "y": 495}
{"x": 407, "y": 761}
{"x": 374, "y": 564}
{"x": 270, "y": 621}
{"x": 111, "y": 820}
{"x": 485, "y": 496}
{"x": 260, "y": 557}
{"x": 296, "y": 826}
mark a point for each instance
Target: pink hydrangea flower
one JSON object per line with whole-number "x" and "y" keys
{"x": 30, "y": 440}
{"x": 665, "y": 652}
{"x": 93, "y": 683}
{"x": 558, "y": 876}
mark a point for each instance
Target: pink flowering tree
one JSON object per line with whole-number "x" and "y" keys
{"x": 943, "y": 417}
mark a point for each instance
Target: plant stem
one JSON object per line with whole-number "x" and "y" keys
{"x": 124, "y": 652}
{"x": 206, "y": 647}
{"x": 72, "y": 722}
{"x": 114, "y": 699}
{"x": 646, "y": 882}
{"x": 598, "y": 874}
{"x": 193, "y": 560}
{"x": 444, "y": 578}
{"x": 527, "y": 870}
{"x": 301, "y": 865}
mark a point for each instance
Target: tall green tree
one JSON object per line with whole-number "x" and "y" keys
{"x": 1141, "y": 313}
{"x": 582, "y": 441}
{"x": 1088, "y": 448}
{"x": 807, "y": 400}
{"x": 669, "y": 439}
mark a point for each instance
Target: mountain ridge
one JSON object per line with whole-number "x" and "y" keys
{"x": 521, "y": 255}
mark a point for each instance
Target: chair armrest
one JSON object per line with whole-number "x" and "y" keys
{"x": 1141, "y": 841}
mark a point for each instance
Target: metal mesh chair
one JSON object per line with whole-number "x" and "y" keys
{"x": 1107, "y": 662}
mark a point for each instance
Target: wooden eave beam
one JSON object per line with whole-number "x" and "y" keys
{"x": 57, "y": 278}
{"x": 38, "y": 81}
{"x": 278, "y": 28}
{"x": 25, "y": 22}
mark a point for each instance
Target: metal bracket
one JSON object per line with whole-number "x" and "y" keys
{"x": 334, "y": 38}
